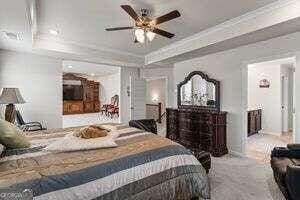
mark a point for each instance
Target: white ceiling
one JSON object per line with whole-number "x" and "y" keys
{"x": 88, "y": 69}
{"x": 83, "y": 22}
{"x": 82, "y": 36}
{"x": 277, "y": 30}
{"x": 13, "y": 18}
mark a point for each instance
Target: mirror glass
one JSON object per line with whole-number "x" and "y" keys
{"x": 198, "y": 92}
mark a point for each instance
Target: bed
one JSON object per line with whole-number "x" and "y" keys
{"x": 143, "y": 166}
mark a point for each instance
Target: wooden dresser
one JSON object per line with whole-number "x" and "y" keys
{"x": 198, "y": 129}
{"x": 254, "y": 121}
{"x": 90, "y": 98}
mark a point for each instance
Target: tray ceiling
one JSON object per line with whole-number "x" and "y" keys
{"x": 83, "y": 22}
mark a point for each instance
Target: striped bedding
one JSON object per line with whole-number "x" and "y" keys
{"x": 143, "y": 166}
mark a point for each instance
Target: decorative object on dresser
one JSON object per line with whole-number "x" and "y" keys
{"x": 11, "y": 96}
{"x": 198, "y": 123}
{"x": 254, "y": 121}
{"x": 80, "y": 95}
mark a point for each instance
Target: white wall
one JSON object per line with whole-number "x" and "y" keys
{"x": 267, "y": 99}
{"x": 108, "y": 87}
{"x": 162, "y": 73}
{"x": 230, "y": 68}
{"x": 39, "y": 79}
{"x": 156, "y": 89}
{"x": 126, "y": 73}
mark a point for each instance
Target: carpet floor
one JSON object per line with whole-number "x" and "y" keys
{"x": 234, "y": 178}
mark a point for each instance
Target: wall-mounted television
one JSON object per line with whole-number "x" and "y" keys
{"x": 72, "y": 92}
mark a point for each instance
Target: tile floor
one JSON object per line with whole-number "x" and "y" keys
{"x": 259, "y": 146}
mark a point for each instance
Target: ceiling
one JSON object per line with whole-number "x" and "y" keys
{"x": 89, "y": 69}
{"x": 82, "y": 36}
{"x": 13, "y": 18}
{"x": 277, "y": 30}
{"x": 83, "y": 22}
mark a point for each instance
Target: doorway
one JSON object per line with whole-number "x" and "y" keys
{"x": 270, "y": 105}
{"x": 156, "y": 96}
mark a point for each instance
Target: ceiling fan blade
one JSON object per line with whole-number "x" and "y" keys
{"x": 131, "y": 12}
{"x": 167, "y": 17}
{"x": 119, "y": 28}
{"x": 163, "y": 33}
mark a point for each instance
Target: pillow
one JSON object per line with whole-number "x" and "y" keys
{"x": 73, "y": 143}
{"x": 91, "y": 132}
{"x": 11, "y": 137}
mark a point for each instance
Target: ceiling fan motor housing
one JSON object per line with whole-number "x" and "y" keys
{"x": 144, "y": 12}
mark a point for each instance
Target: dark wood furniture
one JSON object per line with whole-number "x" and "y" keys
{"x": 254, "y": 121}
{"x": 90, "y": 102}
{"x": 198, "y": 129}
{"x": 198, "y": 123}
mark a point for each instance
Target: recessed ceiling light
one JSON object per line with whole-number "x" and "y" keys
{"x": 53, "y": 32}
{"x": 92, "y": 74}
{"x": 70, "y": 66}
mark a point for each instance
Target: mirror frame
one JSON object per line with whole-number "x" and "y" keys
{"x": 205, "y": 77}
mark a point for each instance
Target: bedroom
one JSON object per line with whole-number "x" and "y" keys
{"x": 215, "y": 38}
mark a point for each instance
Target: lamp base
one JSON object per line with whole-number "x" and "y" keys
{"x": 10, "y": 113}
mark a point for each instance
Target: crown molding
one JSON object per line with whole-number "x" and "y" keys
{"x": 41, "y": 36}
{"x": 193, "y": 40}
{"x": 75, "y": 52}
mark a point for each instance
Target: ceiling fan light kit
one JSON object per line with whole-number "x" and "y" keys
{"x": 145, "y": 28}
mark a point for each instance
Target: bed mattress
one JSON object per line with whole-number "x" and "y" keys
{"x": 143, "y": 166}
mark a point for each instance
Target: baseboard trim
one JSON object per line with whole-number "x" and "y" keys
{"x": 237, "y": 154}
{"x": 272, "y": 133}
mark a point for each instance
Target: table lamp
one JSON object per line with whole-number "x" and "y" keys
{"x": 11, "y": 96}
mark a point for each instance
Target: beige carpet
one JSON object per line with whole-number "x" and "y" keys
{"x": 234, "y": 178}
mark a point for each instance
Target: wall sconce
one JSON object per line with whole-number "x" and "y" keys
{"x": 155, "y": 97}
{"x": 128, "y": 91}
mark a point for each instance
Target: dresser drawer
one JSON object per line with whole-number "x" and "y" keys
{"x": 196, "y": 129}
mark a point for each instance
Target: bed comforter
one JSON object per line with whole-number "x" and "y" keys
{"x": 143, "y": 166}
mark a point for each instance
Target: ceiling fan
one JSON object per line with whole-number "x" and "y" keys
{"x": 146, "y": 27}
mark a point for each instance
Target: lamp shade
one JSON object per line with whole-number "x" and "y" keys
{"x": 11, "y": 96}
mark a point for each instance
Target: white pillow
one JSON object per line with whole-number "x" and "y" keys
{"x": 73, "y": 143}
{"x": 2, "y": 148}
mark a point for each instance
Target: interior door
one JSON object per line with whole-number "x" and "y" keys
{"x": 285, "y": 103}
{"x": 137, "y": 98}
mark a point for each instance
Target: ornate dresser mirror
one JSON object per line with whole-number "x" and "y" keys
{"x": 199, "y": 91}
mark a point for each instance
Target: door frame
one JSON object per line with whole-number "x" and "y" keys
{"x": 131, "y": 96}
{"x": 244, "y": 70}
{"x": 284, "y": 91}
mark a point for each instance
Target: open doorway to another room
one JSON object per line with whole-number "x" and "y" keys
{"x": 156, "y": 102}
{"x": 90, "y": 94}
{"x": 270, "y": 107}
